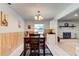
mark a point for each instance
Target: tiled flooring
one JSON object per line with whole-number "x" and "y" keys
{"x": 47, "y": 52}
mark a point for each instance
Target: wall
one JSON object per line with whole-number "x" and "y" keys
{"x": 53, "y": 25}
{"x": 32, "y": 22}
{"x": 74, "y": 31}
{"x": 11, "y": 36}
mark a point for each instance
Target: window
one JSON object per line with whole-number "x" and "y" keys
{"x": 39, "y": 28}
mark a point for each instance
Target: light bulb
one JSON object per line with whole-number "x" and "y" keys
{"x": 40, "y": 17}
{"x": 36, "y": 17}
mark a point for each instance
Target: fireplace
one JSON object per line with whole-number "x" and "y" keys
{"x": 66, "y": 35}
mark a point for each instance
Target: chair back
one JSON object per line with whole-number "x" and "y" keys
{"x": 34, "y": 43}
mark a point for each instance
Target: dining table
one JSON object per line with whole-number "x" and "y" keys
{"x": 41, "y": 41}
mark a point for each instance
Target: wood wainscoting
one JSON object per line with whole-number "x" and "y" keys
{"x": 9, "y": 42}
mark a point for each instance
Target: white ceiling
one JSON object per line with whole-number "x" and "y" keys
{"x": 71, "y": 17}
{"x": 47, "y": 10}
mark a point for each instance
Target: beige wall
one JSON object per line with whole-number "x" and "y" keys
{"x": 32, "y": 22}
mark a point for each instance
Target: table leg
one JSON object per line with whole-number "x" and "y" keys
{"x": 24, "y": 49}
{"x": 44, "y": 48}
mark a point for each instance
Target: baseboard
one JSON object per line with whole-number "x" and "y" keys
{"x": 22, "y": 53}
{"x": 70, "y": 38}
{"x": 18, "y": 51}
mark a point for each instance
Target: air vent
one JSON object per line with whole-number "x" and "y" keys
{"x": 9, "y": 3}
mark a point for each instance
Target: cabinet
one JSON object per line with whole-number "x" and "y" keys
{"x": 51, "y": 39}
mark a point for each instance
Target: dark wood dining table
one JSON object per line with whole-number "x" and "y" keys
{"x": 42, "y": 40}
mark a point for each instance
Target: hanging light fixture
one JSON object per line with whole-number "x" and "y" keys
{"x": 38, "y": 16}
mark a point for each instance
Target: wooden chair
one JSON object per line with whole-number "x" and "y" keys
{"x": 34, "y": 44}
{"x": 34, "y": 35}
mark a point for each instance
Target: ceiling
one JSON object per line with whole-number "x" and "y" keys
{"x": 71, "y": 16}
{"x": 47, "y": 10}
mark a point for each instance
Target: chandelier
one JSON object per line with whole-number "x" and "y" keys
{"x": 38, "y": 16}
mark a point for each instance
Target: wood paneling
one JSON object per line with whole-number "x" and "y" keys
{"x": 0, "y": 44}
{"x": 9, "y": 42}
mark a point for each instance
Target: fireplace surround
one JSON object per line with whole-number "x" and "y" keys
{"x": 66, "y": 35}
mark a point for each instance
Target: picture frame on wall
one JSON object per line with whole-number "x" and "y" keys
{"x": 19, "y": 24}
{"x": 3, "y": 19}
{"x": 0, "y": 18}
{"x": 29, "y": 26}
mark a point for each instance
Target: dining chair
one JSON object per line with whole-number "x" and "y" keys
{"x": 34, "y": 44}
